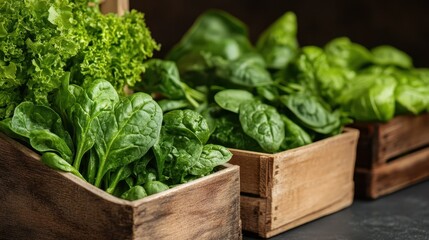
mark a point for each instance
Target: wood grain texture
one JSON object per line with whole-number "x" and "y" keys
{"x": 304, "y": 183}
{"x": 391, "y": 155}
{"x": 115, "y": 6}
{"x": 344, "y": 201}
{"x": 37, "y": 202}
{"x": 250, "y": 170}
{"x": 393, "y": 176}
{"x": 207, "y": 210}
{"x": 380, "y": 142}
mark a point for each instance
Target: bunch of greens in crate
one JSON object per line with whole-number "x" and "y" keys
{"x": 371, "y": 85}
{"x": 250, "y": 101}
{"x": 117, "y": 143}
{"x": 41, "y": 40}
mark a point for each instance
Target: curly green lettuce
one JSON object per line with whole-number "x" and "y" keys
{"x": 40, "y": 40}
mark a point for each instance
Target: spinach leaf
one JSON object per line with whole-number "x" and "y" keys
{"x": 278, "y": 44}
{"x": 162, "y": 77}
{"x": 263, "y": 123}
{"x": 312, "y": 113}
{"x": 245, "y": 71}
{"x": 188, "y": 123}
{"x": 153, "y": 187}
{"x": 228, "y": 132}
{"x": 176, "y": 154}
{"x": 43, "y": 127}
{"x": 46, "y": 141}
{"x": 370, "y": 97}
{"x": 134, "y": 193}
{"x": 215, "y": 32}
{"x": 54, "y": 161}
{"x": 127, "y": 132}
{"x": 170, "y": 105}
{"x": 341, "y": 52}
{"x": 211, "y": 156}
{"x": 295, "y": 136}
{"x": 231, "y": 99}
{"x": 388, "y": 55}
{"x": 99, "y": 97}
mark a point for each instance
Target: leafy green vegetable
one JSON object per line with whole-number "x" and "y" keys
{"x": 188, "y": 123}
{"x": 56, "y": 162}
{"x": 228, "y": 132}
{"x": 341, "y": 52}
{"x": 119, "y": 141}
{"x": 263, "y": 123}
{"x": 312, "y": 114}
{"x": 388, "y": 55}
{"x": 278, "y": 44}
{"x": 231, "y": 99}
{"x": 134, "y": 193}
{"x": 41, "y": 40}
{"x": 295, "y": 136}
{"x": 211, "y": 156}
{"x": 370, "y": 97}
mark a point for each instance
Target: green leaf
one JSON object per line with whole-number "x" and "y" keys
{"x": 54, "y": 161}
{"x": 134, "y": 193}
{"x": 46, "y": 141}
{"x": 341, "y": 52}
{"x": 311, "y": 113}
{"x": 162, "y": 77}
{"x": 153, "y": 187}
{"x": 211, "y": 156}
{"x": 295, "y": 136}
{"x": 126, "y": 133}
{"x": 228, "y": 132}
{"x": 188, "y": 123}
{"x": 388, "y": 55}
{"x": 231, "y": 99}
{"x": 263, "y": 123}
{"x": 98, "y": 98}
{"x": 176, "y": 154}
{"x": 278, "y": 43}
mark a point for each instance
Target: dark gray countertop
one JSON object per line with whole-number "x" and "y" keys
{"x": 399, "y": 216}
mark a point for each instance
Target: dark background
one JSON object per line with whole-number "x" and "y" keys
{"x": 403, "y": 24}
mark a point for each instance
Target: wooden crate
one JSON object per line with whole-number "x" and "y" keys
{"x": 37, "y": 202}
{"x": 391, "y": 155}
{"x": 284, "y": 190}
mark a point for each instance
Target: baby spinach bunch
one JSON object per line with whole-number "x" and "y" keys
{"x": 112, "y": 142}
{"x": 246, "y": 104}
{"x": 367, "y": 85}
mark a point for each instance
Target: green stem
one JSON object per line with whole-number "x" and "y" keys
{"x": 115, "y": 181}
{"x": 79, "y": 155}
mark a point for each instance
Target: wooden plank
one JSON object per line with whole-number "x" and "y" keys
{"x": 343, "y": 201}
{"x": 250, "y": 170}
{"x": 253, "y": 212}
{"x": 307, "y": 179}
{"x": 213, "y": 205}
{"x": 115, "y": 6}
{"x": 402, "y": 134}
{"x": 394, "y": 175}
